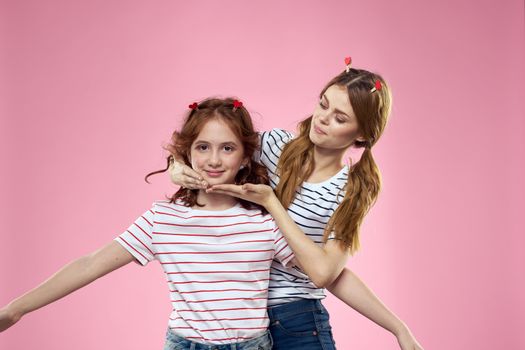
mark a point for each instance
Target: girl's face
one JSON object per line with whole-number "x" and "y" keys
{"x": 334, "y": 124}
{"x": 217, "y": 153}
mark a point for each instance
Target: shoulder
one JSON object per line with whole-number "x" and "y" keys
{"x": 276, "y": 137}
{"x": 161, "y": 206}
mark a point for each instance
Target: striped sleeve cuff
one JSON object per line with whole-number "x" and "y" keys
{"x": 137, "y": 239}
{"x": 283, "y": 252}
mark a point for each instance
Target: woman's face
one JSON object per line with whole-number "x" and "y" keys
{"x": 217, "y": 153}
{"x": 334, "y": 124}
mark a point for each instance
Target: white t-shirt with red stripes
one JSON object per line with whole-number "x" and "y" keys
{"x": 217, "y": 266}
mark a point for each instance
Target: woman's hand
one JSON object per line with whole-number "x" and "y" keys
{"x": 258, "y": 194}
{"x": 185, "y": 176}
{"x": 8, "y": 318}
{"x": 407, "y": 341}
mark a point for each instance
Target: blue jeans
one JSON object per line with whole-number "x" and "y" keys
{"x": 174, "y": 342}
{"x": 301, "y": 325}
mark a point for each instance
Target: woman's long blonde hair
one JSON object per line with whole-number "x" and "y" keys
{"x": 364, "y": 179}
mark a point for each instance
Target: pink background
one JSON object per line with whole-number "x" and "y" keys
{"x": 91, "y": 90}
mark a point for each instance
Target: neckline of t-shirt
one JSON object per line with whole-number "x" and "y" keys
{"x": 235, "y": 207}
{"x": 320, "y": 184}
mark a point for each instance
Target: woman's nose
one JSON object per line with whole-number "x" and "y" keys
{"x": 323, "y": 118}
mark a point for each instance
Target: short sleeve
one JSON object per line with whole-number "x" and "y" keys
{"x": 137, "y": 239}
{"x": 272, "y": 143}
{"x": 283, "y": 252}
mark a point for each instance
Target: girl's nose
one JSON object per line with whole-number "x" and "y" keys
{"x": 215, "y": 159}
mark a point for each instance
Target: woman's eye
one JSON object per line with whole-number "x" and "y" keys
{"x": 322, "y": 104}
{"x": 202, "y": 147}
{"x": 228, "y": 148}
{"x": 340, "y": 120}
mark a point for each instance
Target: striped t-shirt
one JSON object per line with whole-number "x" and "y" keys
{"x": 217, "y": 266}
{"x": 311, "y": 209}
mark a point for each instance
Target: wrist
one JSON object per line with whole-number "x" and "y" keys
{"x": 400, "y": 329}
{"x": 14, "y": 311}
{"x": 272, "y": 203}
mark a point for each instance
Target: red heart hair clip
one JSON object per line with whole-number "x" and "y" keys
{"x": 193, "y": 106}
{"x": 236, "y": 104}
{"x": 377, "y": 86}
{"x": 348, "y": 62}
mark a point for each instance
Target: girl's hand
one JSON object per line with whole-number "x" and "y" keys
{"x": 184, "y": 176}
{"x": 258, "y": 194}
{"x": 7, "y": 318}
{"x": 407, "y": 341}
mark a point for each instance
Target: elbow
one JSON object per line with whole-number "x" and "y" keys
{"x": 319, "y": 283}
{"x": 322, "y": 272}
{"x": 323, "y": 278}
{"x": 322, "y": 282}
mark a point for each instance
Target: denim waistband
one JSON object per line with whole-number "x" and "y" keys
{"x": 189, "y": 344}
{"x": 295, "y": 307}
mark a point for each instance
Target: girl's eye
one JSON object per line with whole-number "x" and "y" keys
{"x": 202, "y": 147}
{"x": 340, "y": 120}
{"x": 228, "y": 148}
{"x": 322, "y": 104}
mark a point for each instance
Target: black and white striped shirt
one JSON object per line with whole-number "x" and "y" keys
{"x": 311, "y": 209}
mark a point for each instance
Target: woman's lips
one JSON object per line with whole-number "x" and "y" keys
{"x": 318, "y": 130}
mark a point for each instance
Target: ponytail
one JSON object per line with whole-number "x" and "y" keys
{"x": 361, "y": 191}
{"x": 296, "y": 155}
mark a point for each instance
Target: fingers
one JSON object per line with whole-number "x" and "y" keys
{"x": 193, "y": 179}
{"x": 186, "y": 170}
{"x": 250, "y": 187}
{"x": 234, "y": 189}
{"x": 226, "y": 192}
{"x": 227, "y": 187}
{"x": 185, "y": 176}
{"x": 192, "y": 183}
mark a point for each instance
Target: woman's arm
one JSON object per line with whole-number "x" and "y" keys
{"x": 352, "y": 291}
{"x": 69, "y": 278}
{"x": 321, "y": 264}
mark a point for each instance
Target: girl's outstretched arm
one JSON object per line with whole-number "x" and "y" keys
{"x": 352, "y": 291}
{"x": 69, "y": 278}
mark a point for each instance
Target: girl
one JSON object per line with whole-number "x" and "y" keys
{"x": 215, "y": 250}
{"x": 316, "y": 193}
